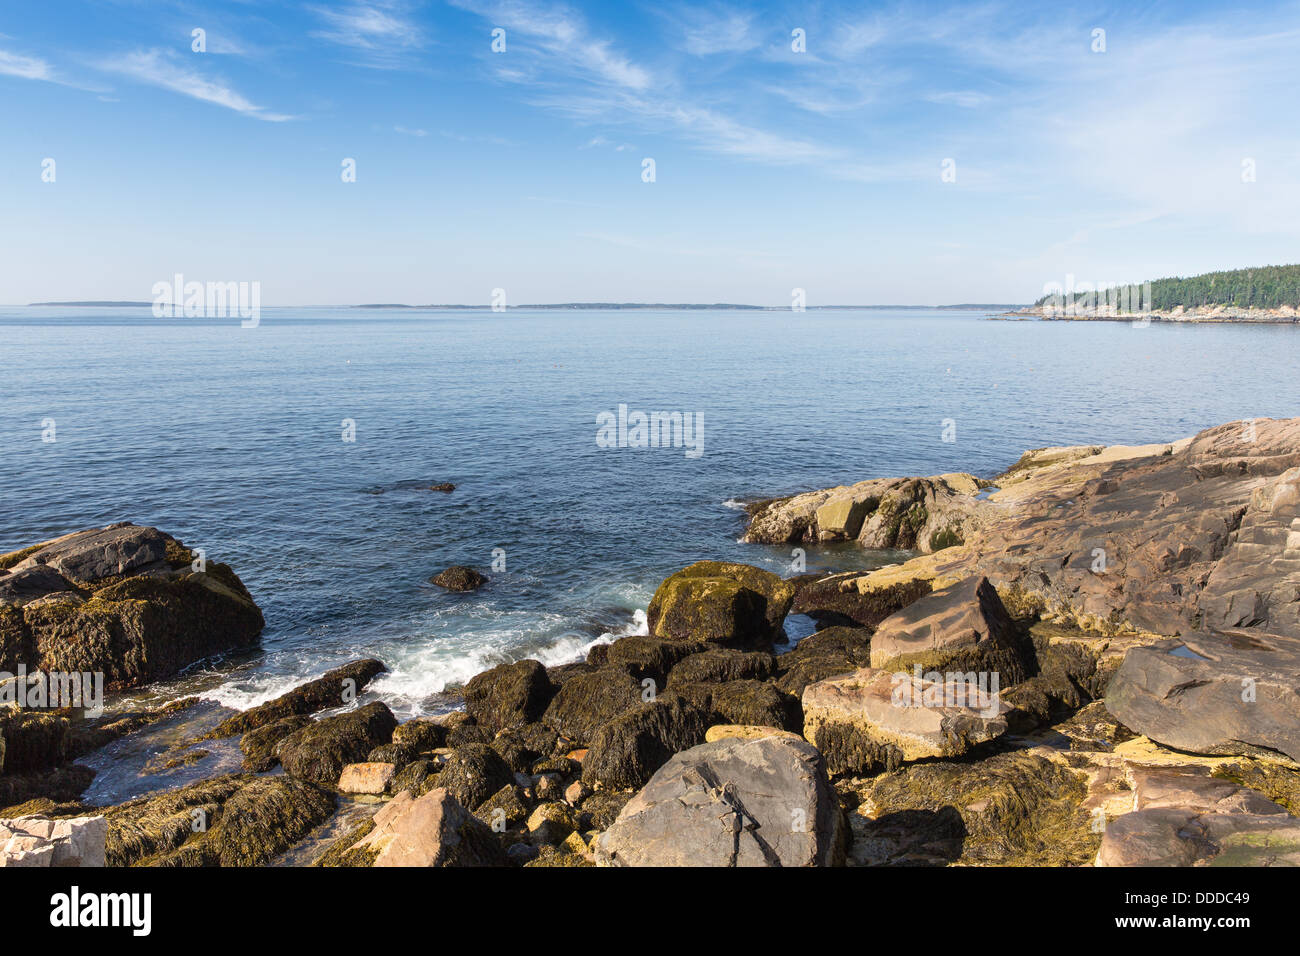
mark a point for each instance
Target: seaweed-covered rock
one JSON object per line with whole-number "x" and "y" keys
{"x": 318, "y": 751}
{"x": 649, "y": 658}
{"x": 720, "y": 664}
{"x": 509, "y": 695}
{"x": 1013, "y": 809}
{"x": 745, "y": 702}
{"x": 334, "y": 688}
{"x": 871, "y": 719}
{"x": 473, "y": 773}
{"x": 962, "y": 627}
{"x": 258, "y": 745}
{"x": 504, "y": 810}
{"x": 31, "y": 739}
{"x": 732, "y": 604}
{"x": 124, "y": 601}
{"x": 828, "y": 653}
{"x": 421, "y": 733}
{"x": 734, "y": 802}
{"x": 418, "y": 776}
{"x": 586, "y": 702}
{"x": 551, "y": 823}
{"x": 432, "y": 830}
{"x": 223, "y": 821}
{"x": 601, "y": 808}
{"x": 626, "y": 751}
{"x": 458, "y": 578}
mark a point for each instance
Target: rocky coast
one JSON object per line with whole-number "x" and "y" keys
{"x": 1092, "y": 658}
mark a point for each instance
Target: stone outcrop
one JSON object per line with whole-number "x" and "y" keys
{"x": 510, "y": 695}
{"x": 39, "y": 841}
{"x": 917, "y": 514}
{"x": 1233, "y": 692}
{"x": 125, "y": 601}
{"x": 872, "y": 719}
{"x": 763, "y": 801}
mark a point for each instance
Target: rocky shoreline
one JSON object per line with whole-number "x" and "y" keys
{"x": 1284, "y": 315}
{"x": 1091, "y": 659}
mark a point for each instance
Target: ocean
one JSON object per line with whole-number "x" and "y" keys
{"x": 233, "y": 440}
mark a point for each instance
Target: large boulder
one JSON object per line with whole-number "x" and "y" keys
{"x": 509, "y": 695}
{"x": 749, "y": 702}
{"x": 1233, "y": 692}
{"x": 334, "y": 688}
{"x": 734, "y": 802}
{"x": 628, "y": 750}
{"x": 873, "y": 719}
{"x": 124, "y": 601}
{"x": 586, "y": 702}
{"x": 731, "y": 604}
{"x": 720, "y": 664}
{"x": 649, "y": 658}
{"x": 432, "y": 830}
{"x": 319, "y": 751}
{"x": 962, "y": 627}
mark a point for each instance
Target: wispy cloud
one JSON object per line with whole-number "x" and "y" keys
{"x": 27, "y": 67}
{"x": 382, "y": 32}
{"x": 410, "y": 132}
{"x": 156, "y": 68}
{"x": 967, "y": 99}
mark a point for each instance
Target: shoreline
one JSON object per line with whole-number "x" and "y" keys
{"x": 1030, "y": 582}
{"x": 1218, "y": 315}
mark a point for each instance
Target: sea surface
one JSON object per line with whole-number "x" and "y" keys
{"x": 232, "y": 439}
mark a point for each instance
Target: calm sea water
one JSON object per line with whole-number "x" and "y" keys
{"x": 231, "y": 439}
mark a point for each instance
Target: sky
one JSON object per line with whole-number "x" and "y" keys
{"x": 866, "y": 153}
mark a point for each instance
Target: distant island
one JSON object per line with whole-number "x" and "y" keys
{"x": 606, "y": 306}
{"x": 1265, "y": 294}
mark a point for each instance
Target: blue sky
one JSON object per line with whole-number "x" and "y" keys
{"x": 522, "y": 170}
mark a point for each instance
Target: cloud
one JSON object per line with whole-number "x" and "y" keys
{"x": 410, "y": 132}
{"x": 967, "y": 99}
{"x": 27, "y": 67}
{"x": 724, "y": 31}
{"x": 156, "y": 68}
{"x": 380, "y": 30}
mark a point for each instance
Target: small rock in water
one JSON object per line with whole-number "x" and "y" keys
{"x": 458, "y": 578}
{"x": 443, "y": 486}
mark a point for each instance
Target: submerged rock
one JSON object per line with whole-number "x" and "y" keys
{"x": 459, "y": 578}
{"x": 124, "y": 601}
{"x": 734, "y": 802}
{"x": 334, "y": 688}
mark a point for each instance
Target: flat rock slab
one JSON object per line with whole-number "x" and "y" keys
{"x": 872, "y": 718}
{"x": 1170, "y": 836}
{"x": 102, "y": 552}
{"x": 1232, "y": 692}
{"x": 733, "y": 802}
